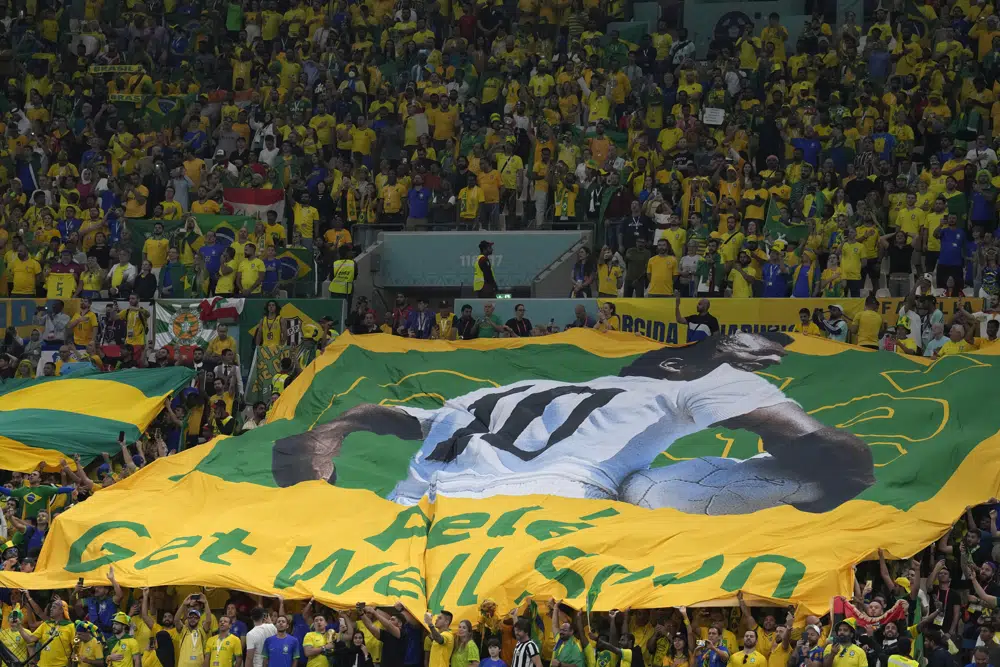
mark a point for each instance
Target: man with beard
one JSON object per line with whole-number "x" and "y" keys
{"x": 841, "y": 651}
{"x": 659, "y": 398}
{"x": 122, "y": 647}
{"x": 885, "y": 642}
{"x": 749, "y": 655}
{"x": 808, "y": 649}
{"x": 766, "y": 631}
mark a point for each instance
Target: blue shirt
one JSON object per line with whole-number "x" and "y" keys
{"x": 810, "y": 149}
{"x": 952, "y": 245}
{"x": 270, "y": 275}
{"x": 109, "y": 200}
{"x": 114, "y": 230}
{"x": 68, "y": 226}
{"x": 420, "y": 202}
{"x": 982, "y": 206}
{"x": 775, "y": 281}
{"x": 299, "y": 628}
{"x": 213, "y": 256}
{"x": 414, "y": 638}
{"x": 802, "y": 289}
{"x": 421, "y": 322}
{"x": 490, "y": 662}
{"x": 238, "y": 628}
{"x": 281, "y": 651}
{"x": 196, "y": 139}
{"x": 100, "y": 612}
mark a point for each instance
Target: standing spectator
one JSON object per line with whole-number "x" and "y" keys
{"x": 281, "y": 649}
{"x": 484, "y": 283}
{"x": 661, "y": 270}
{"x": 583, "y": 275}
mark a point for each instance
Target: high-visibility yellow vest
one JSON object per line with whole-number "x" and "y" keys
{"x": 343, "y": 276}
{"x": 224, "y": 422}
{"x": 901, "y": 661}
{"x": 278, "y": 383}
{"x": 478, "y": 279}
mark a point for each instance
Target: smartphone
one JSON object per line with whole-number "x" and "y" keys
{"x": 79, "y": 582}
{"x": 121, "y": 436}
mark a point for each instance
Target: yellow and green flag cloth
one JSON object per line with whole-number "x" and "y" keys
{"x": 604, "y": 470}
{"x": 49, "y": 419}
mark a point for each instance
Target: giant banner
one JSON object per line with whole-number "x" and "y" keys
{"x": 602, "y": 469}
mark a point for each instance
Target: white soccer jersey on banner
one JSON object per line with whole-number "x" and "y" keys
{"x": 548, "y": 437}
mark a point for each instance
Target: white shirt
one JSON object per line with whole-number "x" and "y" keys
{"x": 255, "y": 641}
{"x": 267, "y": 156}
{"x": 573, "y": 440}
{"x": 981, "y": 157}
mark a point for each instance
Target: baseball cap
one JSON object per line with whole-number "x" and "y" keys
{"x": 484, "y": 244}
{"x": 904, "y": 583}
{"x": 837, "y": 306}
{"x": 220, "y": 153}
{"x": 195, "y": 612}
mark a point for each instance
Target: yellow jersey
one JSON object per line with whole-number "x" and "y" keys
{"x": 441, "y": 653}
{"x": 60, "y": 286}
{"x": 227, "y": 282}
{"x": 608, "y": 276}
{"x": 23, "y": 274}
{"x": 270, "y": 332}
{"x": 742, "y": 288}
{"x": 135, "y": 326}
{"x": 869, "y": 326}
{"x": 155, "y": 251}
{"x": 250, "y": 270}
{"x": 740, "y": 658}
{"x": 59, "y": 650}
{"x": 661, "y": 270}
{"x": 83, "y": 332}
{"x": 951, "y": 347}
{"x": 190, "y": 649}
{"x": 223, "y": 651}
{"x": 127, "y": 648}
{"x": 851, "y": 256}
{"x": 850, "y": 655}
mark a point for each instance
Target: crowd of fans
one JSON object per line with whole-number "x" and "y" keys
{"x": 861, "y": 157}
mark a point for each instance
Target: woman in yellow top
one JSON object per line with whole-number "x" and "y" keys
{"x": 831, "y": 281}
{"x": 607, "y": 318}
{"x": 92, "y": 279}
{"x": 609, "y": 275}
{"x": 226, "y": 284}
{"x": 840, "y": 204}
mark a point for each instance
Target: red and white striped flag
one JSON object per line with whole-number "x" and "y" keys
{"x": 254, "y": 202}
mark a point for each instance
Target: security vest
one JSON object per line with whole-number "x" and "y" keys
{"x": 224, "y": 422}
{"x": 478, "y": 279}
{"x": 897, "y": 660}
{"x": 278, "y": 383}
{"x": 343, "y": 276}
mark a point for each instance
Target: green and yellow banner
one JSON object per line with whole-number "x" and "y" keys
{"x": 602, "y": 469}
{"x": 50, "y": 419}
